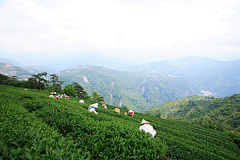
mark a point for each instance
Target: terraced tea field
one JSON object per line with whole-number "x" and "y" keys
{"x": 34, "y": 126}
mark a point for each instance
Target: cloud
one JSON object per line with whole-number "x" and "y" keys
{"x": 162, "y": 29}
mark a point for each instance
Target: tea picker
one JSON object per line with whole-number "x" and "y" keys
{"x": 81, "y": 101}
{"x": 51, "y": 96}
{"x": 66, "y": 96}
{"x": 130, "y": 113}
{"x": 92, "y": 108}
{"x": 147, "y": 128}
{"x": 104, "y": 106}
{"x": 117, "y": 110}
{"x": 57, "y": 97}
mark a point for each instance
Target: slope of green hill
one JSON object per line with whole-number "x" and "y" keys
{"x": 134, "y": 90}
{"x": 34, "y": 126}
{"x": 225, "y": 111}
{"x": 169, "y": 109}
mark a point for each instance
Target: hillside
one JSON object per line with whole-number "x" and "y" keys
{"x": 225, "y": 111}
{"x": 221, "y": 78}
{"x": 33, "y": 69}
{"x": 22, "y": 72}
{"x": 34, "y": 126}
{"x": 135, "y": 90}
{"x": 12, "y": 70}
{"x": 170, "y": 108}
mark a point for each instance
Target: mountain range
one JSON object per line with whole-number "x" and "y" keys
{"x": 220, "y": 78}
{"x": 148, "y": 85}
{"x": 135, "y": 90}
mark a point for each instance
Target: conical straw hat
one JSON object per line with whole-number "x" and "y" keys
{"x": 117, "y": 110}
{"x": 144, "y": 122}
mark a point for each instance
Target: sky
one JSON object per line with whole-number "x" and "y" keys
{"x": 132, "y": 30}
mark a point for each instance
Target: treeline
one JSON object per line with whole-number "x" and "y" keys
{"x": 36, "y": 81}
{"x": 53, "y": 84}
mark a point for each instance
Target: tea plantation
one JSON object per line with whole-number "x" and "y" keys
{"x": 34, "y": 126}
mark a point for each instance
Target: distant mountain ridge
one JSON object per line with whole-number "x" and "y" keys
{"x": 22, "y": 72}
{"x": 12, "y": 70}
{"x": 4, "y": 60}
{"x": 222, "y": 78}
{"x": 29, "y": 68}
{"x": 135, "y": 90}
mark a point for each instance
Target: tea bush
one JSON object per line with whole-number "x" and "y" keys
{"x": 38, "y": 127}
{"x": 24, "y": 136}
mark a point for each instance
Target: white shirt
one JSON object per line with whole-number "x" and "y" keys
{"x": 148, "y": 129}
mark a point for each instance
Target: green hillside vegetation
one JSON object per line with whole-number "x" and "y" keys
{"x": 134, "y": 90}
{"x": 34, "y": 126}
{"x": 216, "y": 113}
{"x": 224, "y": 110}
{"x": 168, "y": 109}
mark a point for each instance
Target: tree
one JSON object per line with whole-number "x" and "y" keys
{"x": 3, "y": 78}
{"x": 61, "y": 82}
{"x": 80, "y": 93}
{"x": 57, "y": 87}
{"x": 158, "y": 115}
{"x": 14, "y": 77}
{"x": 69, "y": 90}
{"x": 97, "y": 97}
{"x": 12, "y": 82}
{"x": 40, "y": 82}
{"x": 56, "y": 84}
{"x": 53, "y": 79}
{"x": 31, "y": 83}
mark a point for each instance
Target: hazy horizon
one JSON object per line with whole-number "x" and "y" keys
{"x": 133, "y": 31}
{"x": 26, "y": 63}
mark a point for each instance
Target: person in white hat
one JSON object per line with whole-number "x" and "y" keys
{"x": 130, "y": 113}
{"x": 81, "y": 101}
{"x": 92, "y": 108}
{"x": 51, "y": 96}
{"x": 147, "y": 128}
